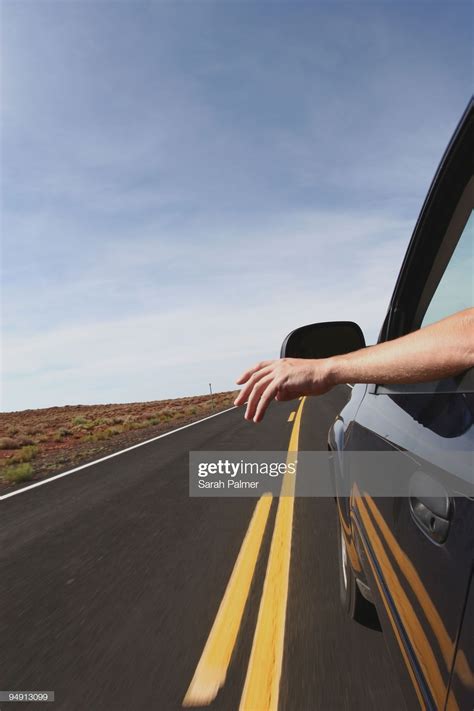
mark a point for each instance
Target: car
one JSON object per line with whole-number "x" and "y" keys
{"x": 411, "y": 557}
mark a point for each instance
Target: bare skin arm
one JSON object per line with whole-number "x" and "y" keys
{"x": 437, "y": 351}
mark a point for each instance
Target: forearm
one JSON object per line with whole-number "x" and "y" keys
{"x": 438, "y": 351}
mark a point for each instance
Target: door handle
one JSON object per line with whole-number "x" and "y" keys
{"x": 430, "y": 506}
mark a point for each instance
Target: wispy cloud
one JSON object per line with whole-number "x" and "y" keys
{"x": 183, "y": 184}
{"x": 125, "y": 336}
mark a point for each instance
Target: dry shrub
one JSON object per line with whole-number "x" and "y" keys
{"x": 9, "y": 443}
{"x": 14, "y": 474}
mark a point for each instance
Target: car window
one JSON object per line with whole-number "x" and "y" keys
{"x": 455, "y": 290}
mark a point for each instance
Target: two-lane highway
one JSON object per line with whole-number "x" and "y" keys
{"x": 111, "y": 579}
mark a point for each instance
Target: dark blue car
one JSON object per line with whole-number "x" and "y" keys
{"x": 412, "y": 556}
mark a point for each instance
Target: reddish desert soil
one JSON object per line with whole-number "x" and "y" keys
{"x": 38, "y": 443}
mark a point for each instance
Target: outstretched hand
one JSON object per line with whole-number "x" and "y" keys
{"x": 282, "y": 379}
{"x": 437, "y": 351}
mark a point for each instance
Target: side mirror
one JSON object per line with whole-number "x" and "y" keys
{"x": 322, "y": 340}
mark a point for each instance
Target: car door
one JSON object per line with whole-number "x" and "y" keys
{"x": 418, "y": 549}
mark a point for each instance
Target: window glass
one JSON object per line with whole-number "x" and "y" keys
{"x": 456, "y": 289}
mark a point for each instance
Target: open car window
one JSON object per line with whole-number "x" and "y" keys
{"x": 455, "y": 291}
{"x": 450, "y": 285}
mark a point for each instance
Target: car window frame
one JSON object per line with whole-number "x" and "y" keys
{"x": 432, "y": 244}
{"x": 448, "y": 247}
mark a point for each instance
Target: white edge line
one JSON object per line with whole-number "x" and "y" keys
{"x": 110, "y": 456}
{"x": 349, "y": 386}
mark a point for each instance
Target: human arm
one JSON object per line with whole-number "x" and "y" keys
{"x": 440, "y": 350}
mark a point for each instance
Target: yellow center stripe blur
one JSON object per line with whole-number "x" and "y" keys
{"x": 211, "y": 670}
{"x": 292, "y": 416}
{"x": 262, "y": 683}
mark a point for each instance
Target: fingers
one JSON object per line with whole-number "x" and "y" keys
{"x": 262, "y": 383}
{"x": 248, "y": 373}
{"x": 255, "y": 395}
{"x": 268, "y": 395}
{"x": 251, "y": 382}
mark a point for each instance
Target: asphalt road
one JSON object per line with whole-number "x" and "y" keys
{"x": 110, "y": 580}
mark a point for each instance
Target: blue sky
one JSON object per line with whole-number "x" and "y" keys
{"x": 184, "y": 183}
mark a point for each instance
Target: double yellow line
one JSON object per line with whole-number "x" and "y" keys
{"x": 262, "y": 683}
